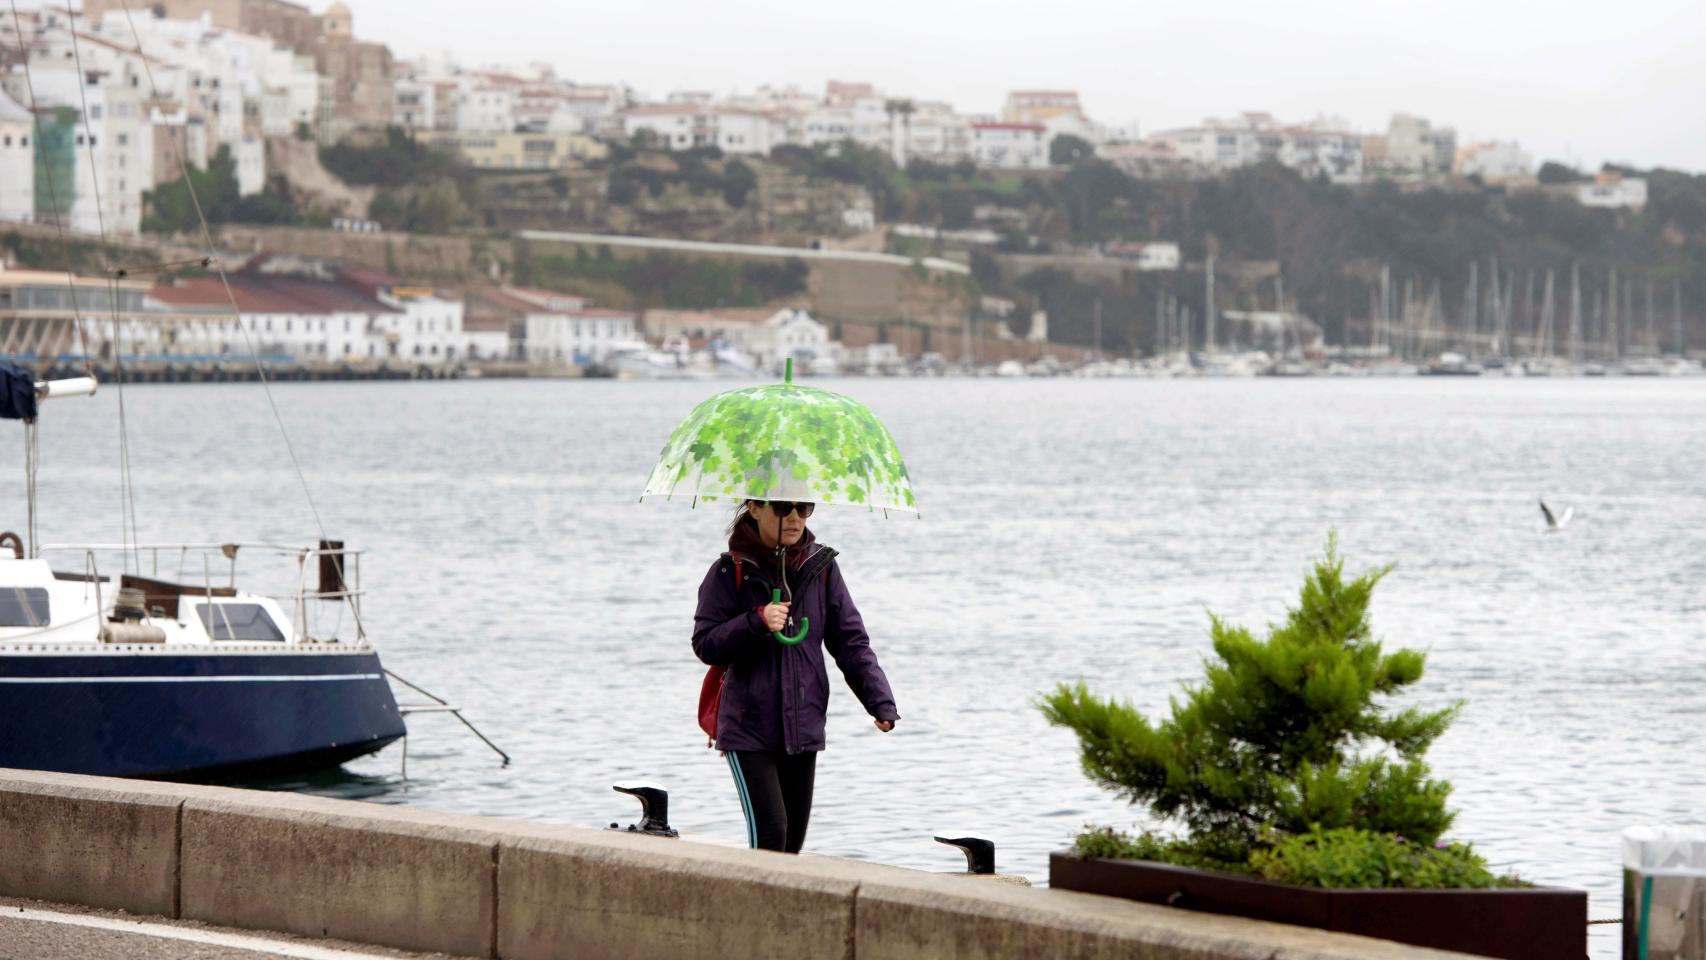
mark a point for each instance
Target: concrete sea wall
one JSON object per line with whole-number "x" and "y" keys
{"x": 474, "y": 886}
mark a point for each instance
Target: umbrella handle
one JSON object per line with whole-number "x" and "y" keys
{"x": 805, "y": 624}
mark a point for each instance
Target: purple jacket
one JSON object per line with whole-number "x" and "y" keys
{"x": 775, "y": 695}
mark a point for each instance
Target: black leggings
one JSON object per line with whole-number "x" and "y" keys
{"x": 776, "y": 795}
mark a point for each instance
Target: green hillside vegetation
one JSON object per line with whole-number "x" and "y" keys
{"x": 1329, "y": 242}
{"x": 170, "y": 208}
{"x": 662, "y": 279}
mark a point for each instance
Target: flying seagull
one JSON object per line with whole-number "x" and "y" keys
{"x": 1555, "y": 524}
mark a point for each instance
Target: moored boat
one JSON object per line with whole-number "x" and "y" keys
{"x": 106, "y": 671}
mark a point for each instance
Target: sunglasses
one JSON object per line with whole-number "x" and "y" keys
{"x": 782, "y": 508}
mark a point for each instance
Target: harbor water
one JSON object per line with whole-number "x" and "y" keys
{"x": 1072, "y": 529}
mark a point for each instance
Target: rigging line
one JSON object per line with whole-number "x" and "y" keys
{"x": 125, "y": 473}
{"x": 224, "y": 280}
{"x": 236, "y": 313}
{"x": 127, "y": 488}
{"x": 52, "y": 193}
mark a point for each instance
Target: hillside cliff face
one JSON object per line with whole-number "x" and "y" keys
{"x": 311, "y": 184}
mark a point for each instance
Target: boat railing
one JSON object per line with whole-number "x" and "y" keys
{"x": 326, "y": 573}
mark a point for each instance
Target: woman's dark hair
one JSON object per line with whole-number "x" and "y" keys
{"x": 741, "y": 513}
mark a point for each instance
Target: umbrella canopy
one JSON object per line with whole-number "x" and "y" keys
{"x": 782, "y": 441}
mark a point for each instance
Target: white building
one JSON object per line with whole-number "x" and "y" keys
{"x": 582, "y": 336}
{"x": 1320, "y": 148}
{"x": 486, "y": 109}
{"x": 415, "y": 104}
{"x": 769, "y": 336}
{"x": 1613, "y": 190}
{"x": 688, "y": 124}
{"x": 1149, "y": 256}
{"x": 309, "y": 311}
{"x": 936, "y": 133}
{"x": 1413, "y": 145}
{"x": 788, "y": 333}
{"x": 1010, "y": 145}
{"x": 17, "y": 163}
{"x": 1495, "y": 162}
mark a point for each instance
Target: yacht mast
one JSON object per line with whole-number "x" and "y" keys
{"x": 1575, "y": 313}
{"x": 1208, "y": 311}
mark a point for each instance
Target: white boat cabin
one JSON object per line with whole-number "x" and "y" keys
{"x": 41, "y": 607}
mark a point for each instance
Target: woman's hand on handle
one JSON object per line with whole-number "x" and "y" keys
{"x": 775, "y": 616}
{"x": 885, "y": 725}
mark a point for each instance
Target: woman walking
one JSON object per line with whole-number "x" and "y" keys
{"x": 770, "y": 718}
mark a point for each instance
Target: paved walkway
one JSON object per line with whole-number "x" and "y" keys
{"x": 32, "y": 930}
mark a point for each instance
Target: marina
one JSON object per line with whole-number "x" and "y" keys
{"x": 504, "y": 545}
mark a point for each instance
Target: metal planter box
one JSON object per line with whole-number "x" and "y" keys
{"x": 1533, "y": 923}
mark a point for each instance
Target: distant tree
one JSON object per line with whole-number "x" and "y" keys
{"x": 171, "y": 208}
{"x": 738, "y": 181}
{"x": 645, "y": 138}
{"x": 400, "y": 160}
{"x": 1066, "y": 149}
{"x": 436, "y": 209}
{"x": 1554, "y": 172}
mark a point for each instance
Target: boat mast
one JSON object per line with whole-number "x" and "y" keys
{"x": 1546, "y": 348}
{"x": 1575, "y": 313}
{"x": 1676, "y": 314}
{"x": 1208, "y": 310}
{"x": 1472, "y": 305}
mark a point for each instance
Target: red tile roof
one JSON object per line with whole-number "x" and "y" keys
{"x": 268, "y": 294}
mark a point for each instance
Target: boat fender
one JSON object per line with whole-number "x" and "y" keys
{"x": 16, "y": 541}
{"x": 132, "y": 633}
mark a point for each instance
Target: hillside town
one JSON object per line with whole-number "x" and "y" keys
{"x": 106, "y": 110}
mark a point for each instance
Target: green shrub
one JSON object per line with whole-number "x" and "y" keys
{"x": 1285, "y": 739}
{"x": 1348, "y": 858}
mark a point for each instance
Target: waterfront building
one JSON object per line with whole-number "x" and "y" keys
{"x": 767, "y": 334}
{"x": 38, "y": 319}
{"x": 497, "y": 321}
{"x": 580, "y": 335}
{"x": 309, "y": 310}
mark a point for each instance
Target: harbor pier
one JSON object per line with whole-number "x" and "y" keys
{"x": 413, "y": 879}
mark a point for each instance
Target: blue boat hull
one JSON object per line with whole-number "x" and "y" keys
{"x": 193, "y": 717}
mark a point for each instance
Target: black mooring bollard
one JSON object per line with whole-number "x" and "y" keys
{"x": 654, "y": 809}
{"x": 980, "y": 853}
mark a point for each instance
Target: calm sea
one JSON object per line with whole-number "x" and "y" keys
{"x": 1072, "y": 529}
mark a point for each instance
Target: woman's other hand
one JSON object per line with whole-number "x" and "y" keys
{"x": 885, "y": 725}
{"x": 775, "y": 616}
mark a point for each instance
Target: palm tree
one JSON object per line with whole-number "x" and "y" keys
{"x": 901, "y": 146}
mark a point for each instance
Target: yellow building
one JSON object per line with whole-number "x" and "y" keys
{"x": 520, "y": 151}
{"x": 1041, "y": 106}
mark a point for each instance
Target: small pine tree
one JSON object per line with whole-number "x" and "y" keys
{"x": 1280, "y": 734}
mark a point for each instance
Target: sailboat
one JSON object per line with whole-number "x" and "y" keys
{"x": 139, "y": 676}
{"x": 111, "y": 668}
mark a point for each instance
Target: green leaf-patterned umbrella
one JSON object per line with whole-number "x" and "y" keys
{"x": 783, "y": 442}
